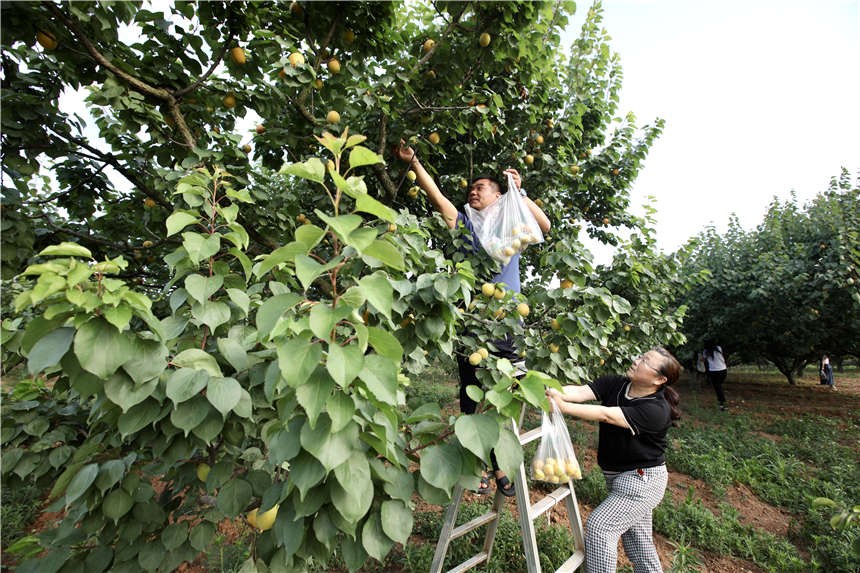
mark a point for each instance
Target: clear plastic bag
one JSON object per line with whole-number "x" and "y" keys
{"x": 554, "y": 460}
{"x": 507, "y": 227}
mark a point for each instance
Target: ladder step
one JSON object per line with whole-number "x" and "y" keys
{"x": 474, "y": 524}
{"x": 530, "y": 436}
{"x": 572, "y": 563}
{"x": 469, "y": 563}
{"x": 548, "y": 501}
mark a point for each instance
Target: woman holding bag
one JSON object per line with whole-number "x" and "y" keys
{"x": 636, "y": 411}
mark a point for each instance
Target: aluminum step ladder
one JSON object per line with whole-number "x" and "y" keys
{"x": 528, "y": 514}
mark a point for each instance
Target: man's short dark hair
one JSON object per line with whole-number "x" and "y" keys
{"x": 489, "y": 178}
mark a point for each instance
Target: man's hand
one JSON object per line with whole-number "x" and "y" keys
{"x": 404, "y": 152}
{"x": 513, "y": 172}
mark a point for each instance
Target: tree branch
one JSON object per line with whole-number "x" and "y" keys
{"x": 378, "y": 168}
{"x": 191, "y": 87}
{"x": 444, "y": 35}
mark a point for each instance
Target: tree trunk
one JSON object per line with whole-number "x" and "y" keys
{"x": 785, "y": 368}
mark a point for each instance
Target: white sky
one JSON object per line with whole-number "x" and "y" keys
{"x": 760, "y": 98}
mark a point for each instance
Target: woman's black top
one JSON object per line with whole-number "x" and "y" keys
{"x": 641, "y": 446}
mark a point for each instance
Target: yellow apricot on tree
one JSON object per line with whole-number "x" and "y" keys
{"x": 411, "y": 175}
{"x": 296, "y": 59}
{"x": 229, "y": 101}
{"x": 566, "y": 283}
{"x": 530, "y": 159}
{"x": 413, "y": 191}
{"x": 428, "y": 45}
{"x": 488, "y": 289}
{"x": 539, "y": 139}
{"x": 433, "y": 138}
{"x": 349, "y": 36}
{"x": 499, "y": 293}
{"x": 203, "y": 472}
{"x": 318, "y": 84}
{"x": 238, "y": 55}
{"x": 475, "y": 358}
{"x": 483, "y": 352}
{"x": 484, "y": 40}
{"x": 332, "y": 117}
{"x": 47, "y": 40}
{"x": 574, "y": 169}
{"x": 149, "y": 202}
{"x": 147, "y": 244}
{"x": 553, "y": 347}
{"x": 333, "y": 66}
{"x": 539, "y": 202}
{"x": 555, "y": 324}
{"x": 463, "y": 183}
{"x": 523, "y": 309}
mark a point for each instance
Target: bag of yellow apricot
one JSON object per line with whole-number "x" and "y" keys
{"x": 506, "y": 227}
{"x": 555, "y": 461}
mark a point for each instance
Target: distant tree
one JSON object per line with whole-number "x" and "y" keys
{"x": 786, "y": 291}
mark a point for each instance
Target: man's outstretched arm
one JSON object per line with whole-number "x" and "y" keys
{"x": 425, "y": 181}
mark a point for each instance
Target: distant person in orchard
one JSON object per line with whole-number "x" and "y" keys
{"x": 715, "y": 364}
{"x": 635, "y": 413}
{"x": 483, "y": 192}
{"x": 826, "y": 372}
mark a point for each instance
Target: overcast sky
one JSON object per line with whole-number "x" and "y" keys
{"x": 760, "y": 98}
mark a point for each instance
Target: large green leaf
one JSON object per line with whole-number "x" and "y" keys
{"x": 310, "y": 235}
{"x": 360, "y": 155}
{"x": 119, "y": 316}
{"x": 234, "y": 497}
{"x": 441, "y": 466}
{"x": 396, "y": 520}
{"x": 122, "y": 391}
{"x": 340, "y": 408}
{"x": 284, "y": 445}
{"x": 509, "y": 452}
{"x": 200, "y": 288}
{"x": 386, "y": 253}
{"x": 322, "y": 320}
{"x": 307, "y": 269}
{"x": 285, "y": 254}
{"x": 533, "y": 385}
{"x": 66, "y": 249}
{"x": 368, "y": 204}
{"x": 478, "y": 433}
{"x": 342, "y": 225}
{"x": 288, "y": 530}
{"x": 273, "y": 309}
{"x": 378, "y": 291}
{"x": 373, "y": 537}
{"x": 297, "y": 358}
{"x": 200, "y": 247}
{"x": 199, "y": 360}
{"x": 101, "y": 348}
{"x": 212, "y": 314}
{"x": 201, "y": 535}
{"x": 178, "y": 221}
{"x": 331, "y": 449}
{"x": 380, "y": 375}
{"x": 185, "y": 383}
{"x": 50, "y": 349}
{"x": 190, "y": 414}
{"x": 138, "y": 417}
{"x": 234, "y": 352}
{"x": 313, "y": 394}
{"x": 385, "y": 344}
{"x": 81, "y": 483}
{"x": 116, "y": 504}
{"x": 148, "y": 360}
{"x": 223, "y": 393}
{"x": 352, "y": 496}
{"x": 344, "y": 363}
{"x": 312, "y": 169}
{"x": 305, "y": 473}
{"x": 109, "y": 474}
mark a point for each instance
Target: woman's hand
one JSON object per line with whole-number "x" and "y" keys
{"x": 403, "y": 152}
{"x": 554, "y": 396}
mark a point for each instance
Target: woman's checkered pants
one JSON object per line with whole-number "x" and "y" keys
{"x": 626, "y": 513}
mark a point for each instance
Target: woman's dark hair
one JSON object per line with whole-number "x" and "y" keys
{"x": 671, "y": 370}
{"x": 710, "y": 346}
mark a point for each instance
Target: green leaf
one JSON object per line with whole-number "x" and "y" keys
{"x": 342, "y": 225}
{"x": 340, "y": 408}
{"x": 322, "y": 320}
{"x": 396, "y": 520}
{"x": 212, "y": 314}
{"x": 297, "y": 359}
{"x": 386, "y": 253}
{"x": 81, "y": 483}
{"x": 373, "y": 538}
{"x": 174, "y": 535}
{"x": 361, "y": 155}
{"x": 119, "y": 316}
{"x": 138, "y": 417}
{"x": 116, "y": 504}
{"x": 289, "y": 531}
{"x": 309, "y": 235}
{"x": 385, "y": 344}
{"x": 200, "y": 247}
{"x": 367, "y": 204}
{"x": 50, "y": 349}
{"x": 354, "y": 554}
{"x": 66, "y": 249}
{"x": 109, "y": 475}
{"x": 285, "y": 254}
{"x": 223, "y": 393}
{"x": 330, "y": 448}
{"x": 211, "y": 426}
{"x": 312, "y": 396}
{"x": 312, "y": 169}
{"x": 284, "y": 445}
{"x": 273, "y": 309}
{"x": 178, "y": 221}
{"x": 509, "y": 452}
{"x": 240, "y": 299}
{"x": 378, "y": 291}
{"x": 148, "y": 360}
{"x": 380, "y": 375}
{"x": 101, "y": 348}
{"x": 307, "y": 269}
{"x": 234, "y": 352}
{"x": 122, "y": 391}
{"x": 199, "y": 360}
{"x": 201, "y": 535}
{"x": 352, "y": 496}
{"x": 533, "y": 385}
{"x": 305, "y": 473}
{"x": 441, "y": 466}
{"x": 478, "y": 433}
{"x": 344, "y": 363}
{"x": 361, "y": 238}
{"x": 200, "y": 288}
{"x": 234, "y": 497}
{"x": 185, "y": 383}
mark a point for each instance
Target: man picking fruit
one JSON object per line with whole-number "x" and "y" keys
{"x": 483, "y": 192}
